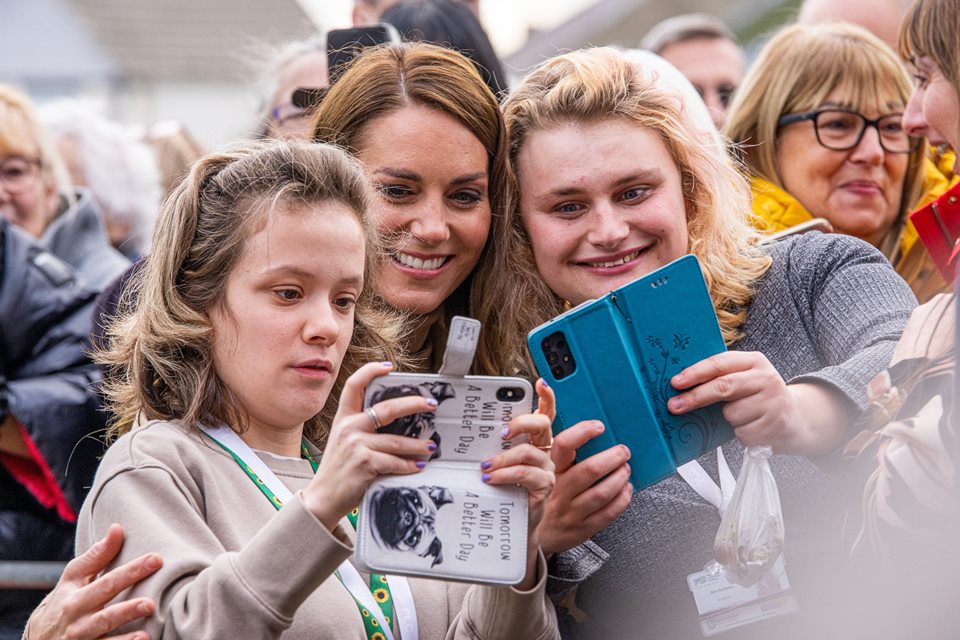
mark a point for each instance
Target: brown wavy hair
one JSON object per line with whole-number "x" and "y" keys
{"x": 598, "y": 84}
{"x": 391, "y": 77}
{"x": 159, "y": 354}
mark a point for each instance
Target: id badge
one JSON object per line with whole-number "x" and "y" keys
{"x": 724, "y": 605}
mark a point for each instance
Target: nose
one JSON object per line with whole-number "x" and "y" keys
{"x": 608, "y": 226}
{"x": 321, "y": 325}
{"x": 913, "y": 121}
{"x": 430, "y": 224}
{"x": 869, "y": 150}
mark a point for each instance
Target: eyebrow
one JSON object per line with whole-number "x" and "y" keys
{"x": 638, "y": 176}
{"x": 413, "y": 176}
{"x": 306, "y": 275}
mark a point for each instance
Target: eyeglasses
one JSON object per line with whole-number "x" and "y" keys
{"x": 841, "y": 129}
{"x": 18, "y": 173}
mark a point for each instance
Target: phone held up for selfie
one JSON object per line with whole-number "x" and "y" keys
{"x": 612, "y": 359}
{"x": 445, "y": 522}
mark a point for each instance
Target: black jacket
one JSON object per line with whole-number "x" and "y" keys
{"x": 48, "y": 384}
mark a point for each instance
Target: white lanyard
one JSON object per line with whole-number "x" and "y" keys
{"x": 703, "y": 484}
{"x": 403, "y": 606}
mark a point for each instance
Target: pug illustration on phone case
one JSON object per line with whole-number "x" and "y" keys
{"x": 445, "y": 522}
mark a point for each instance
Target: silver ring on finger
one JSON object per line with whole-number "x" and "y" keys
{"x": 374, "y": 418}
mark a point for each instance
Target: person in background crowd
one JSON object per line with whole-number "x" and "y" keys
{"x": 616, "y": 181}
{"x": 116, "y": 166}
{"x": 49, "y": 410}
{"x": 909, "y": 447}
{"x": 36, "y": 195}
{"x": 450, "y": 24}
{"x": 277, "y": 232}
{"x": 880, "y": 17}
{"x": 298, "y": 65}
{"x": 817, "y": 121}
{"x": 704, "y": 49}
{"x": 174, "y": 148}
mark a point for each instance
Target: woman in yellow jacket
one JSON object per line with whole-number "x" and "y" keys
{"x": 817, "y": 122}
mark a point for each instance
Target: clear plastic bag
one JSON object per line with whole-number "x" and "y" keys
{"x": 751, "y": 534}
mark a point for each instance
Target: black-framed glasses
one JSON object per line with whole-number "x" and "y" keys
{"x": 842, "y": 129}
{"x": 18, "y": 173}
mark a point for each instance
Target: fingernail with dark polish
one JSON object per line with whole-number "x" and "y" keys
{"x": 431, "y": 446}
{"x": 485, "y": 477}
{"x": 486, "y": 464}
{"x": 421, "y": 464}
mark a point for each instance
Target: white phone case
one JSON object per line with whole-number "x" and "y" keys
{"x": 445, "y": 522}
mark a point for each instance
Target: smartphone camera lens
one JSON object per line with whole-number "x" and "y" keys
{"x": 552, "y": 358}
{"x": 557, "y": 372}
{"x": 546, "y": 344}
{"x": 510, "y": 394}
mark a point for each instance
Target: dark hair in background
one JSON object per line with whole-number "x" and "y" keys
{"x": 452, "y": 25}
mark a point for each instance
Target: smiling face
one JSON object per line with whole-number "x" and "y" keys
{"x": 431, "y": 176}
{"x": 858, "y": 190}
{"x": 287, "y": 315}
{"x": 934, "y": 107}
{"x": 602, "y": 204}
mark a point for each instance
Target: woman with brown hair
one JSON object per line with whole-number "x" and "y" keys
{"x": 233, "y": 466}
{"x": 431, "y": 137}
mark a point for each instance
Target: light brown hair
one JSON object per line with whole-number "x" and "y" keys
{"x": 159, "y": 356}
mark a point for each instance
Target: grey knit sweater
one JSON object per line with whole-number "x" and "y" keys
{"x": 829, "y": 310}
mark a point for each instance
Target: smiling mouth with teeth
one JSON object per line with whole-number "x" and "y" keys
{"x": 419, "y": 263}
{"x": 615, "y": 263}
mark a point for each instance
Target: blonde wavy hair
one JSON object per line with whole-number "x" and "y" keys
{"x": 796, "y": 71}
{"x": 601, "y": 84}
{"x": 159, "y": 354}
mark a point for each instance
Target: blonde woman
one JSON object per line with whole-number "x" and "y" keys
{"x": 817, "y": 120}
{"x": 615, "y": 181}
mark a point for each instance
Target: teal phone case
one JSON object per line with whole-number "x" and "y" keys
{"x": 625, "y": 348}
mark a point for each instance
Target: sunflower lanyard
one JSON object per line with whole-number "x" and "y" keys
{"x": 376, "y": 621}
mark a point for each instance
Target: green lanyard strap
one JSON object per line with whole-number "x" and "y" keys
{"x": 378, "y": 582}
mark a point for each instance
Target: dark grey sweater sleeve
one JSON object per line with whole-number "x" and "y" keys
{"x": 856, "y": 308}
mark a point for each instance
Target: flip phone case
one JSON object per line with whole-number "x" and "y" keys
{"x": 611, "y": 359}
{"x": 445, "y": 522}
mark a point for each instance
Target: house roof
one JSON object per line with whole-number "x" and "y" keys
{"x": 179, "y": 40}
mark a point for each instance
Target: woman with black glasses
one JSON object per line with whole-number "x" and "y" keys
{"x": 817, "y": 120}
